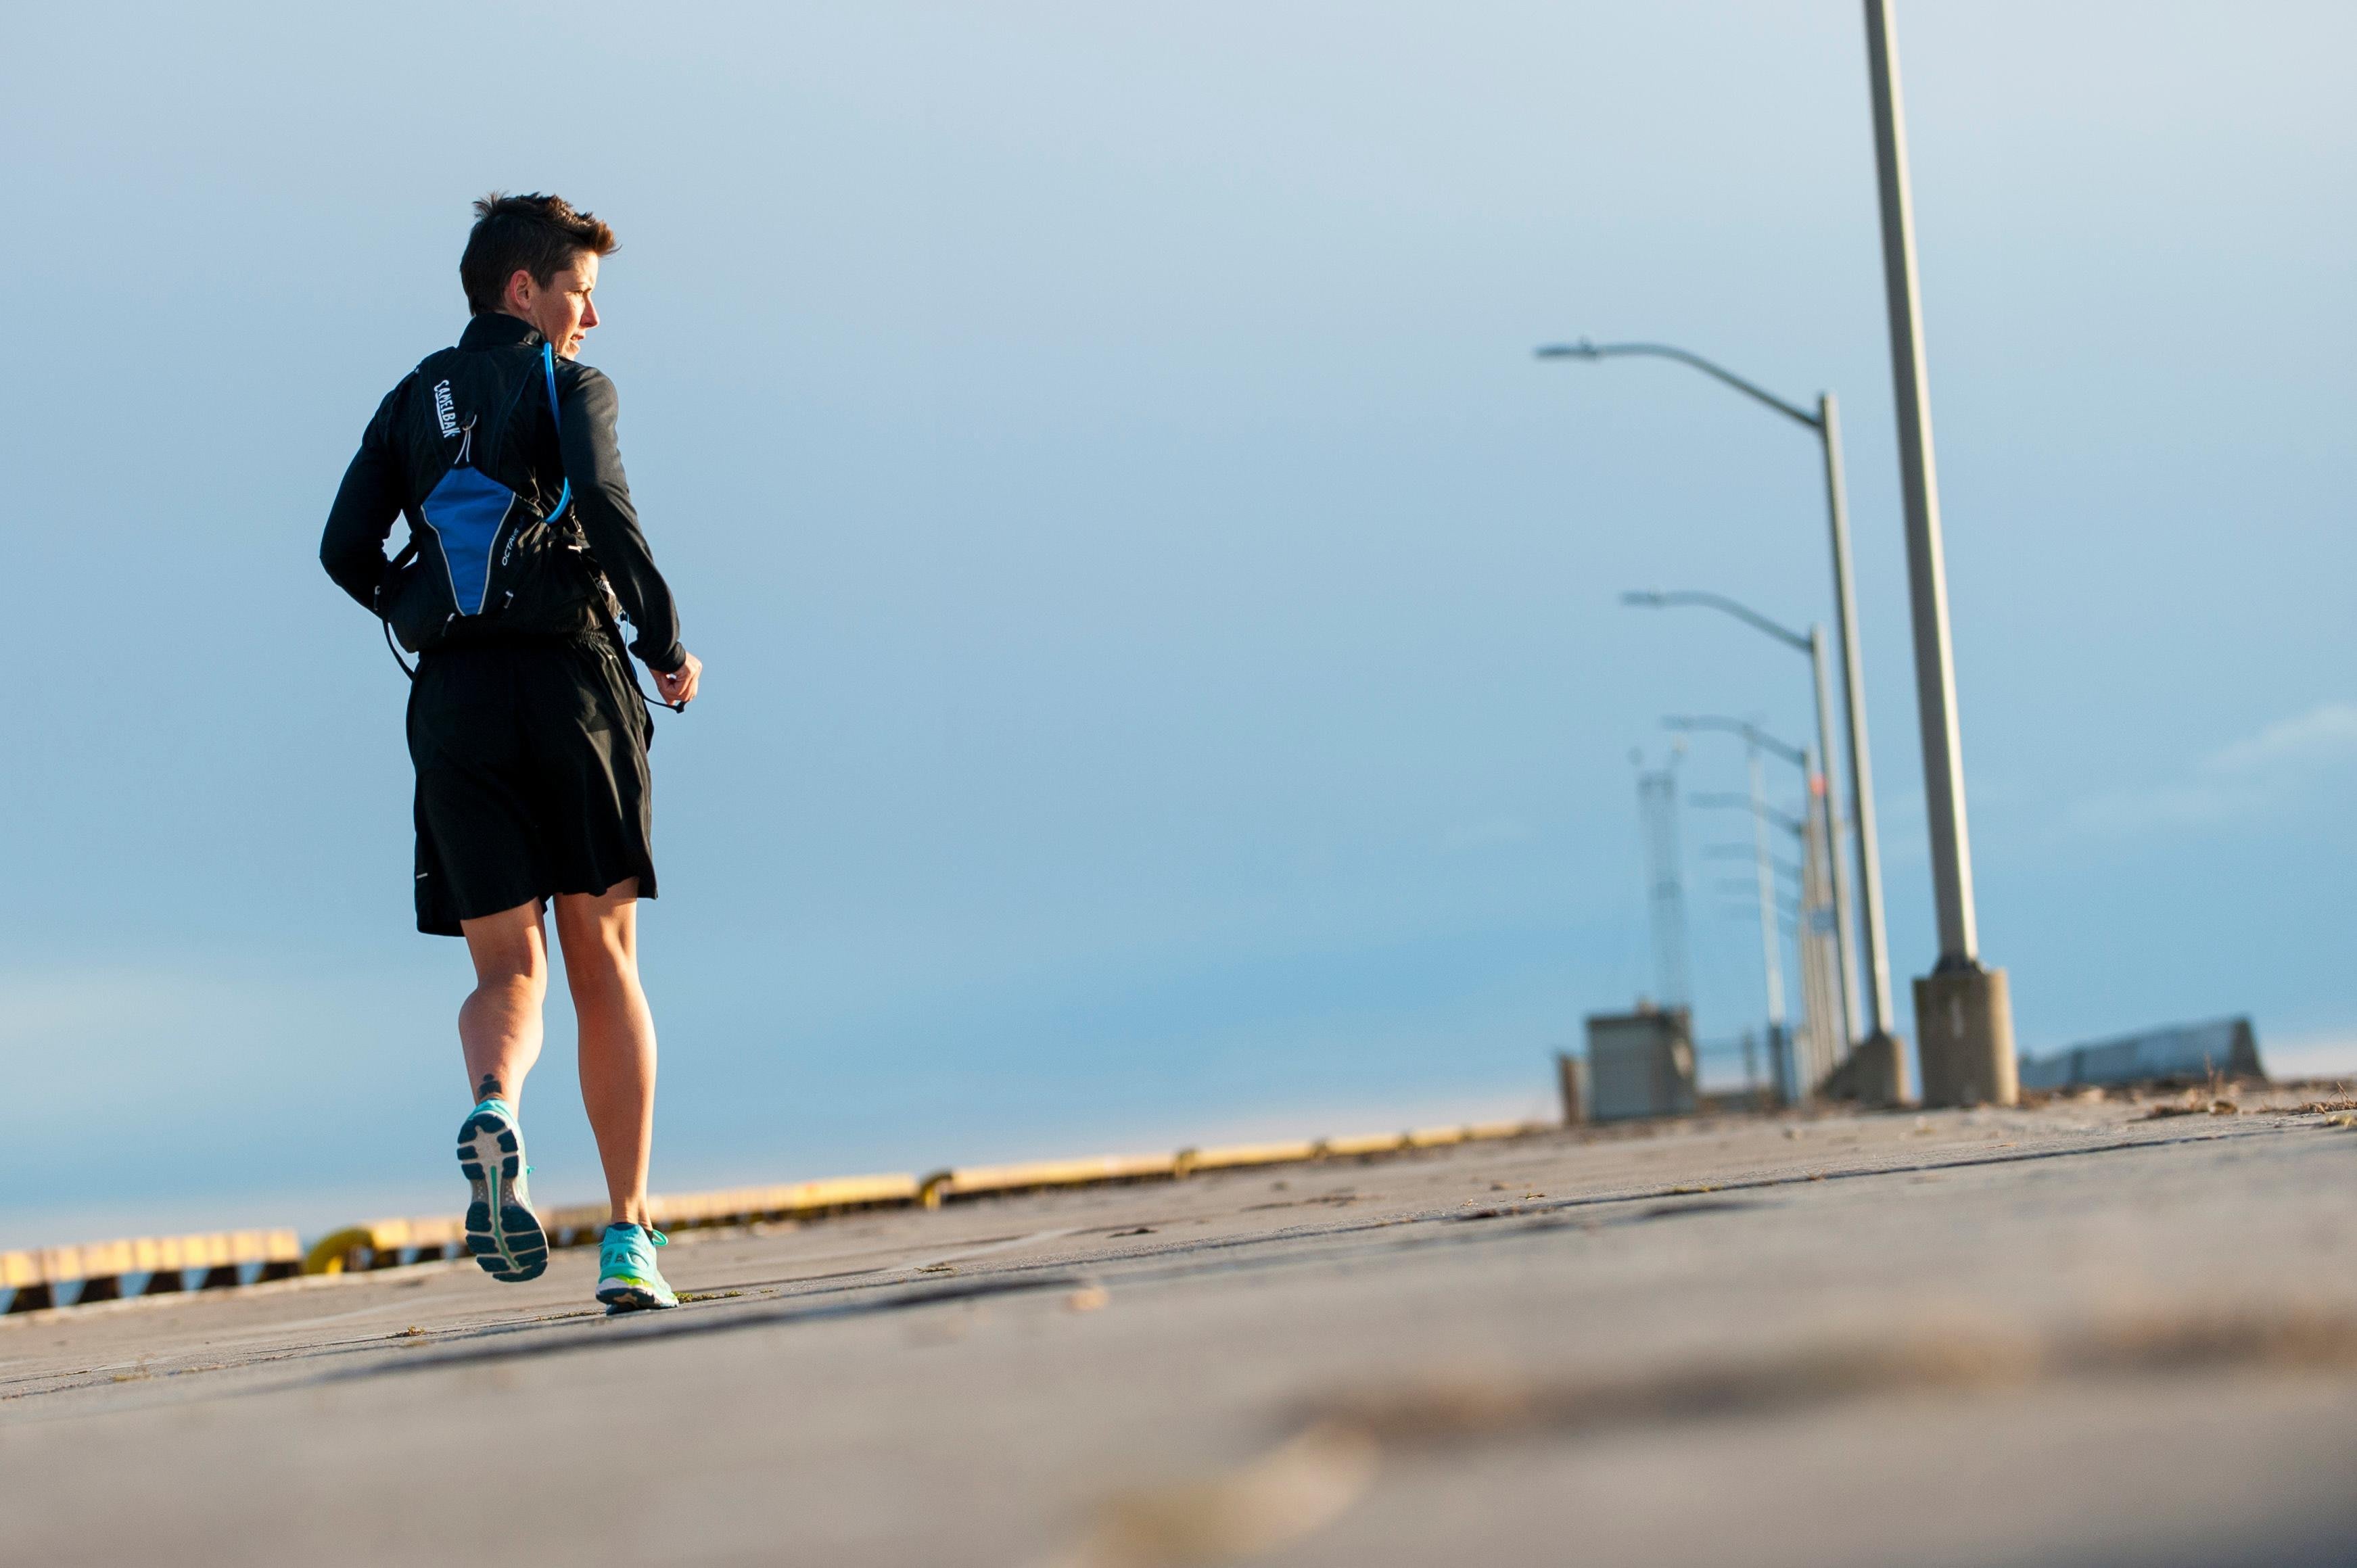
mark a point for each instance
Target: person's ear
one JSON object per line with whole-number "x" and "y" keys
{"x": 521, "y": 288}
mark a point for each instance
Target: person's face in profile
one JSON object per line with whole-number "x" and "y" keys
{"x": 561, "y": 309}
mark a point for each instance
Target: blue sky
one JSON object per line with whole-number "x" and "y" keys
{"x": 1165, "y": 675}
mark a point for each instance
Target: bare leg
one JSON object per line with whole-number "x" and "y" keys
{"x": 498, "y": 1026}
{"x": 599, "y": 934}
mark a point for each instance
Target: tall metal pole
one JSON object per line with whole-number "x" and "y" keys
{"x": 1935, "y": 676}
{"x": 1963, "y": 1013}
{"x": 1771, "y": 947}
{"x": 1844, "y": 922}
{"x": 1657, "y": 806}
{"x": 1879, "y": 1013}
{"x": 1820, "y": 989}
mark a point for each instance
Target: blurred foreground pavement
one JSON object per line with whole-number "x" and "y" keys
{"x": 2070, "y": 1334}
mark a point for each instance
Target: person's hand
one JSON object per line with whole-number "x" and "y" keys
{"x": 678, "y": 686}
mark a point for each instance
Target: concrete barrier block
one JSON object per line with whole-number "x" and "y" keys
{"x": 975, "y": 1181}
{"x": 335, "y": 1252}
{"x": 839, "y": 1193}
{"x": 1363, "y": 1143}
{"x": 1239, "y": 1157}
{"x": 104, "y": 1270}
{"x": 575, "y": 1224}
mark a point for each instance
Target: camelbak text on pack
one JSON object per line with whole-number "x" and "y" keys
{"x": 491, "y": 550}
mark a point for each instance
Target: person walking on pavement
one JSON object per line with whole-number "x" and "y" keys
{"x": 527, "y": 727}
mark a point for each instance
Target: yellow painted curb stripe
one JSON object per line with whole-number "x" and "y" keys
{"x": 378, "y": 1241}
{"x": 577, "y": 1224}
{"x": 1239, "y": 1157}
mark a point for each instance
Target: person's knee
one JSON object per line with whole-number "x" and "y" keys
{"x": 525, "y": 956}
{"x": 509, "y": 950}
{"x": 600, "y": 963}
{"x": 518, "y": 968}
{"x": 528, "y": 978}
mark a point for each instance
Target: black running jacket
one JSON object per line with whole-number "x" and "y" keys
{"x": 539, "y": 577}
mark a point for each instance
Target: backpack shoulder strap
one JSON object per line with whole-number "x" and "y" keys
{"x": 557, "y": 414}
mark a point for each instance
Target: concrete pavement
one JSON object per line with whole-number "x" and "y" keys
{"x": 2072, "y": 1334}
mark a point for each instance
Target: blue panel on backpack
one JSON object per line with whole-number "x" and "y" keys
{"x": 465, "y": 512}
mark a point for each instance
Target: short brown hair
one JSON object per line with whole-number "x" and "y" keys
{"x": 536, "y": 234}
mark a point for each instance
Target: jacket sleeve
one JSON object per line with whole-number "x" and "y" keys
{"x": 601, "y": 497}
{"x": 367, "y": 505}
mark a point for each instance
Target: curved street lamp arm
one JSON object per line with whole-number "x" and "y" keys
{"x": 1584, "y": 349}
{"x": 1790, "y": 824}
{"x": 1720, "y": 602}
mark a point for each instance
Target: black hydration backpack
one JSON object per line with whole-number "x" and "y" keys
{"x": 493, "y": 550}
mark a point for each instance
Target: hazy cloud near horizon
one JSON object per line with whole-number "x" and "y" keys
{"x": 1165, "y": 663}
{"x": 2305, "y": 755}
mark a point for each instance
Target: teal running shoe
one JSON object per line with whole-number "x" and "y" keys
{"x": 627, "y": 1279}
{"x": 502, "y": 1232}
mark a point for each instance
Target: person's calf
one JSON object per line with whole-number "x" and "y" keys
{"x": 499, "y": 1033}
{"x": 499, "y": 1023}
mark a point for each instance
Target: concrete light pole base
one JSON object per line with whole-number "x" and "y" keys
{"x": 1964, "y": 1018}
{"x": 1571, "y": 1077}
{"x": 1874, "y": 1075}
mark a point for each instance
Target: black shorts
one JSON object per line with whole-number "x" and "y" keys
{"x": 532, "y": 778}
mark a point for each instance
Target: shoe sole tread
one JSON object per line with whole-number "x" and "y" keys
{"x": 491, "y": 1157}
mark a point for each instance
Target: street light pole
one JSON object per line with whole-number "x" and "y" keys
{"x": 1819, "y": 992}
{"x": 1880, "y": 1014}
{"x": 1813, "y": 645}
{"x": 1963, "y": 1013}
{"x": 1889, "y": 1067}
{"x": 1772, "y": 951}
{"x": 1845, "y": 921}
{"x": 1795, "y": 1080}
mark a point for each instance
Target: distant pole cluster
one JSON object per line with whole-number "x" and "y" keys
{"x": 1657, "y": 805}
{"x": 1846, "y": 1043}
